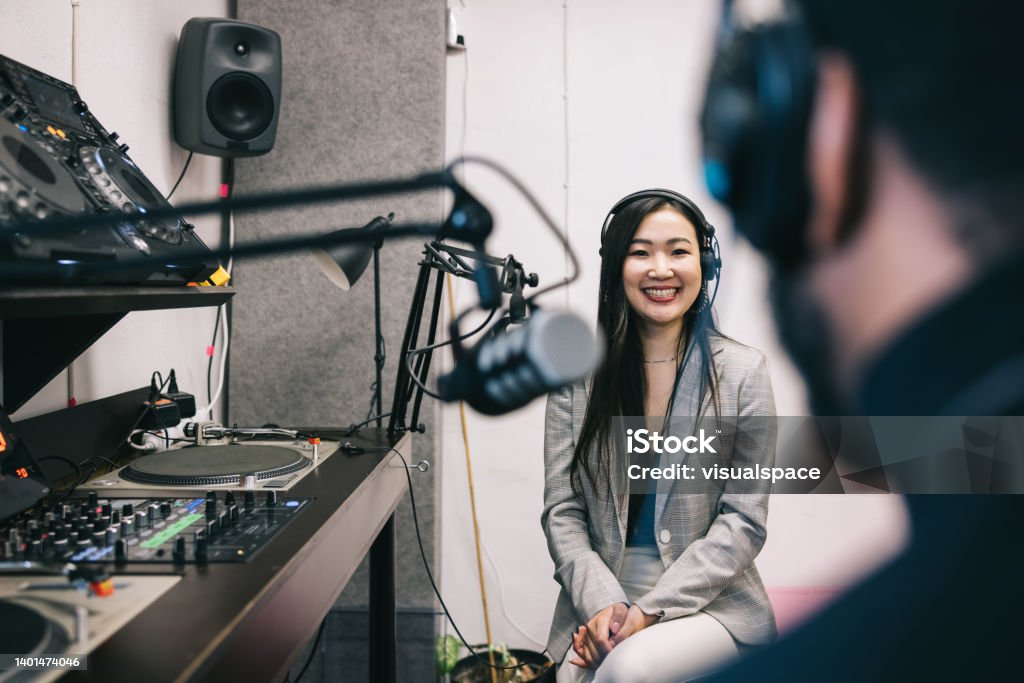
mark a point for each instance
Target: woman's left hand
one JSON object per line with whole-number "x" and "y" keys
{"x": 635, "y": 621}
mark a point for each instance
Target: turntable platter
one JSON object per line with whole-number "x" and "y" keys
{"x": 214, "y": 465}
{"x": 24, "y": 631}
{"x": 52, "y": 186}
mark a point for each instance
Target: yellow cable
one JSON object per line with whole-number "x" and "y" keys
{"x": 472, "y": 505}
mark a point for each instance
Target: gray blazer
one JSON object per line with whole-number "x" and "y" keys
{"x": 707, "y": 542}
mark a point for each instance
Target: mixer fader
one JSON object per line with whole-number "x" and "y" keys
{"x": 228, "y": 527}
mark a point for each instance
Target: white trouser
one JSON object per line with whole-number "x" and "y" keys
{"x": 667, "y": 652}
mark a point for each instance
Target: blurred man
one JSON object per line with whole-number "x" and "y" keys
{"x": 874, "y": 152}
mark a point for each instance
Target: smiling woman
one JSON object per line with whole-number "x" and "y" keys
{"x": 655, "y": 586}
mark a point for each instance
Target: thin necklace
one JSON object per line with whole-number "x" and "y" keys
{"x": 667, "y": 360}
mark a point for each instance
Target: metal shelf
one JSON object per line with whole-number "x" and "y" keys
{"x": 46, "y": 328}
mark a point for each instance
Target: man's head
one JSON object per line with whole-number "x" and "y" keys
{"x": 873, "y": 151}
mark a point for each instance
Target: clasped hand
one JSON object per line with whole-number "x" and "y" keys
{"x": 605, "y": 630}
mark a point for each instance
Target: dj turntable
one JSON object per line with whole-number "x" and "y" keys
{"x": 47, "y": 616}
{"x": 221, "y": 458}
{"x": 56, "y": 159}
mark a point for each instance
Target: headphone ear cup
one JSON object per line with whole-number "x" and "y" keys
{"x": 708, "y": 265}
{"x": 754, "y": 124}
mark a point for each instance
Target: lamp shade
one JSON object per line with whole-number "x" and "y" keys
{"x": 344, "y": 265}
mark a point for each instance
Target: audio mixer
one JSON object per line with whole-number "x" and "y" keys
{"x": 214, "y": 528}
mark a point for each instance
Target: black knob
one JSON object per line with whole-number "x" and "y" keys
{"x": 108, "y": 538}
{"x": 211, "y": 508}
{"x": 128, "y": 510}
{"x": 71, "y": 160}
{"x": 271, "y": 498}
{"x": 250, "y": 500}
{"x": 141, "y": 520}
{"x": 165, "y": 509}
{"x": 107, "y": 509}
{"x": 100, "y": 524}
{"x": 201, "y": 556}
{"x": 113, "y": 137}
{"x": 189, "y": 430}
{"x": 81, "y": 107}
{"x": 115, "y": 517}
{"x": 6, "y": 99}
{"x": 93, "y": 500}
{"x": 19, "y": 114}
{"x": 123, "y": 149}
{"x": 179, "y": 550}
{"x": 229, "y": 498}
{"x": 121, "y": 551}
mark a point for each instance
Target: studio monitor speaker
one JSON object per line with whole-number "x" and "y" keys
{"x": 227, "y": 88}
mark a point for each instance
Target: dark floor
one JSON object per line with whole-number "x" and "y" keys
{"x": 342, "y": 654}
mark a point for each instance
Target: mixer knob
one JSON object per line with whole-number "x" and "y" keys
{"x": 165, "y": 509}
{"x": 18, "y": 114}
{"x": 250, "y": 500}
{"x": 113, "y": 137}
{"x": 271, "y": 498}
{"x": 229, "y": 498}
{"x": 121, "y": 551}
{"x": 115, "y": 517}
{"x": 108, "y": 538}
{"x": 211, "y": 508}
{"x": 123, "y": 149}
{"x": 22, "y": 200}
{"x": 100, "y": 524}
{"x": 189, "y": 430}
{"x": 5, "y": 184}
{"x": 179, "y": 550}
{"x": 201, "y": 553}
{"x": 6, "y": 100}
{"x": 107, "y": 509}
{"x": 93, "y": 500}
{"x": 80, "y": 107}
{"x": 151, "y": 513}
{"x": 128, "y": 510}
{"x": 140, "y": 520}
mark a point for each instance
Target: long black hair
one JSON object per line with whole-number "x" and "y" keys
{"x": 619, "y": 386}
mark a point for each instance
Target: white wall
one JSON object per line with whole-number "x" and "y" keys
{"x": 635, "y": 77}
{"x": 125, "y": 64}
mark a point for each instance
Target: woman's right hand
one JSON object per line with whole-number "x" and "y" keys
{"x": 593, "y": 642}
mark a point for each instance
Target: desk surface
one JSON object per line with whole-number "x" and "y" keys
{"x": 251, "y": 621}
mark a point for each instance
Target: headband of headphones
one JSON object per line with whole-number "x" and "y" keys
{"x": 710, "y": 256}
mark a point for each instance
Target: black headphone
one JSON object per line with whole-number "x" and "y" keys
{"x": 710, "y": 254}
{"x": 754, "y": 124}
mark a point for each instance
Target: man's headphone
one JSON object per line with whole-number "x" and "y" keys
{"x": 754, "y": 124}
{"x": 710, "y": 254}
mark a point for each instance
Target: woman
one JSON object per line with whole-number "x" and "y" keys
{"x": 656, "y": 586}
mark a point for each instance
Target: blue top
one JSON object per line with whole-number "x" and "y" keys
{"x": 643, "y": 530}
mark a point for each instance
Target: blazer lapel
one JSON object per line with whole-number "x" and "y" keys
{"x": 682, "y": 420}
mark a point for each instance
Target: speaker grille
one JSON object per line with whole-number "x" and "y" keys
{"x": 240, "y": 106}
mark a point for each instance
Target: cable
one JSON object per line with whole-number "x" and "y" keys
{"x": 78, "y": 470}
{"x": 565, "y": 107}
{"x": 180, "y": 176}
{"x": 354, "y": 428}
{"x": 430, "y": 575}
{"x": 209, "y": 362}
{"x": 412, "y": 375}
{"x": 312, "y": 652}
{"x": 535, "y": 203}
